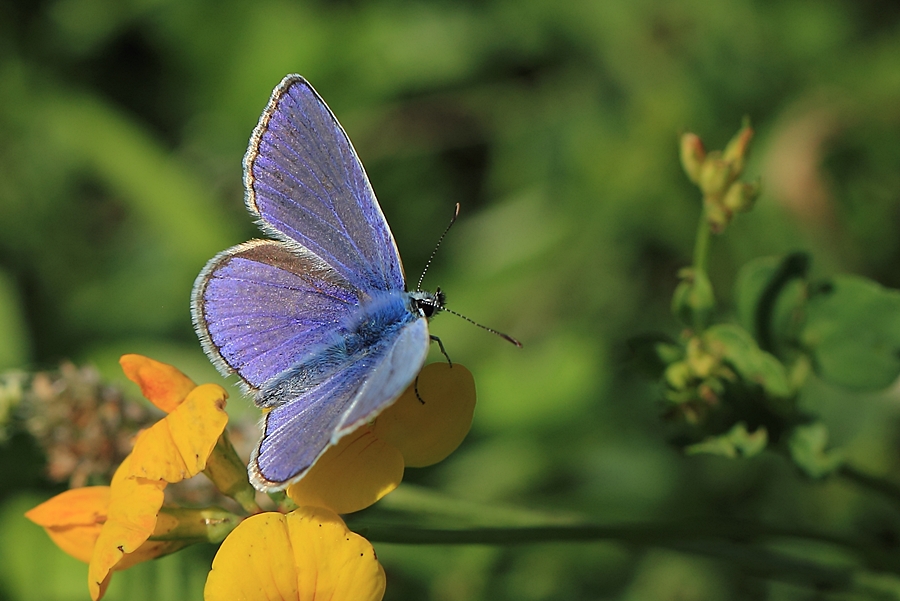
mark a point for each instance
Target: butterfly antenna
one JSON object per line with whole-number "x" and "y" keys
{"x": 436, "y": 247}
{"x": 506, "y": 337}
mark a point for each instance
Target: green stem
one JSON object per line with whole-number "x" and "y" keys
{"x": 869, "y": 482}
{"x": 701, "y": 244}
{"x": 638, "y": 533}
{"x": 731, "y": 542}
{"x": 772, "y": 565}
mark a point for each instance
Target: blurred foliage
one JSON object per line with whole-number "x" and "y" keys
{"x": 555, "y": 125}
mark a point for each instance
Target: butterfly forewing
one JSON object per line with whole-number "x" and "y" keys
{"x": 305, "y": 182}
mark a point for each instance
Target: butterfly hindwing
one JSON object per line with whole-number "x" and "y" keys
{"x": 297, "y": 432}
{"x": 260, "y": 306}
{"x": 401, "y": 364}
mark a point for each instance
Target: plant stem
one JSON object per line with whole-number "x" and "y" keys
{"x": 872, "y": 483}
{"x": 728, "y": 541}
{"x": 701, "y": 243}
{"x": 638, "y": 533}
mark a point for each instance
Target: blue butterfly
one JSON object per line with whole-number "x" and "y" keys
{"x": 317, "y": 323}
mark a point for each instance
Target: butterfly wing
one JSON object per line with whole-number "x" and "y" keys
{"x": 261, "y": 306}
{"x": 305, "y": 183}
{"x": 297, "y": 432}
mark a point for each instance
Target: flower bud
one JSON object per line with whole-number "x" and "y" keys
{"x": 736, "y": 150}
{"x": 678, "y": 375}
{"x": 701, "y": 361}
{"x": 741, "y": 196}
{"x": 692, "y": 156}
{"x": 716, "y": 175}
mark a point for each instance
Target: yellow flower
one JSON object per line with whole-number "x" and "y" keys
{"x": 174, "y": 448}
{"x": 305, "y": 555}
{"x": 110, "y": 526}
{"x": 75, "y": 519}
{"x": 368, "y": 464}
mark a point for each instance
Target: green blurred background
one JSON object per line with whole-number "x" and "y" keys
{"x": 555, "y": 126}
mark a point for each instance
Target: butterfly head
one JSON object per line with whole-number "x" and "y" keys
{"x": 428, "y": 304}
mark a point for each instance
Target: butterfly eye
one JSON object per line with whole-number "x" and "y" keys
{"x": 426, "y": 307}
{"x": 427, "y": 304}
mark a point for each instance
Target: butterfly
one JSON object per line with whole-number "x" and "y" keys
{"x": 317, "y": 321}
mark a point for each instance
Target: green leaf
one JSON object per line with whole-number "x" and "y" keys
{"x": 736, "y": 347}
{"x": 807, "y": 445}
{"x": 769, "y": 293}
{"x": 852, "y": 331}
{"x": 737, "y": 442}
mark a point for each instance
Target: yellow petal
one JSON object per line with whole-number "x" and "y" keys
{"x": 73, "y": 519}
{"x": 427, "y": 431}
{"x": 345, "y": 565}
{"x": 351, "y": 475}
{"x": 306, "y": 555}
{"x": 133, "y": 506}
{"x": 254, "y": 562}
{"x": 147, "y": 551}
{"x": 161, "y": 384}
{"x": 178, "y": 446}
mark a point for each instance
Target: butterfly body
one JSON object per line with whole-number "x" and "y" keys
{"x": 317, "y": 322}
{"x": 360, "y": 337}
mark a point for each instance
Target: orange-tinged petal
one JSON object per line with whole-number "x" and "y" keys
{"x": 178, "y": 446}
{"x": 427, "y": 431}
{"x": 77, "y": 541}
{"x": 73, "y": 519}
{"x": 75, "y": 507}
{"x": 306, "y": 555}
{"x": 160, "y": 383}
{"x": 351, "y": 475}
{"x": 101, "y": 589}
{"x": 133, "y": 507}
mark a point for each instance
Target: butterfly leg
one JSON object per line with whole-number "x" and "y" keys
{"x": 443, "y": 352}
{"x": 418, "y": 396}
